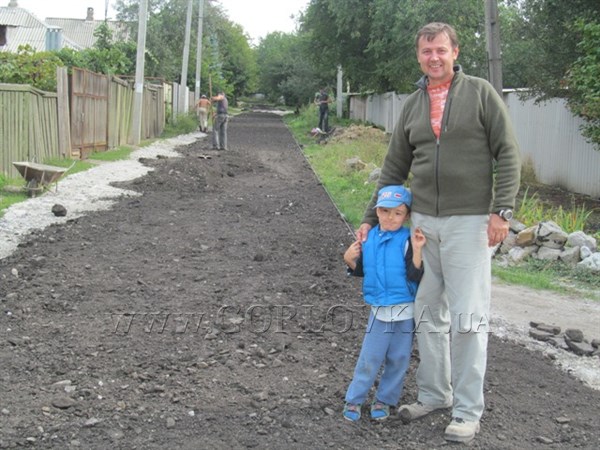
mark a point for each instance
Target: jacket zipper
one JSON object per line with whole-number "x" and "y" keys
{"x": 437, "y": 153}
{"x": 444, "y": 128}
{"x": 437, "y": 180}
{"x": 449, "y": 105}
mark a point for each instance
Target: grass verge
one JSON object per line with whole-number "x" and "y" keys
{"x": 552, "y": 276}
{"x": 11, "y": 192}
{"x": 351, "y": 191}
{"x": 112, "y": 155}
{"x": 349, "y": 188}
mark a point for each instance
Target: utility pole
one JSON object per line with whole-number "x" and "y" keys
{"x": 492, "y": 34}
{"x": 340, "y": 93}
{"x": 136, "y": 128}
{"x": 199, "y": 50}
{"x": 183, "y": 98}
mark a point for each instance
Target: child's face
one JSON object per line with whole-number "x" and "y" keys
{"x": 392, "y": 219}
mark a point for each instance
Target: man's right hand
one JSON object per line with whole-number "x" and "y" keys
{"x": 362, "y": 232}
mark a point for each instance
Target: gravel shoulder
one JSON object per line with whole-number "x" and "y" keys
{"x": 193, "y": 298}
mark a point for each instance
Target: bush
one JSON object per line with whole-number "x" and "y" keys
{"x": 184, "y": 124}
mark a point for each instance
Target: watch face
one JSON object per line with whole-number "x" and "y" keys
{"x": 506, "y": 214}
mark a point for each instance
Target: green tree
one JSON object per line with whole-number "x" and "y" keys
{"x": 272, "y": 58}
{"x": 106, "y": 56}
{"x": 583, "y": 80}
{"x": 549, "y": 24}
{"x": 227, "y": 59}
{"x": 552, "y": 51}
{"x": 285, "y": 71}
{"x": 237, "y": 59}
{"x": 514, "y": 45}
{"x": 104, "y": 37}
{"x": 338, "y": 32}
{"x": 374, "y": 39}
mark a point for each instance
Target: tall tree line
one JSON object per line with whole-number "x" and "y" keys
{"x": 228, "y": 61}
{"x": 549, "y": 49}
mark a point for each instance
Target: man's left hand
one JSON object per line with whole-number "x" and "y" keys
{"x": 497, "y": 230}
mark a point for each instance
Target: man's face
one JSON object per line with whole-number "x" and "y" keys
{"x": 437, "y": 58}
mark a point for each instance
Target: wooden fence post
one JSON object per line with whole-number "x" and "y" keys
{"x": 64, "y": 117}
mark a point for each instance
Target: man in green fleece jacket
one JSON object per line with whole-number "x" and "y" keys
{"x": 450, "y": 134}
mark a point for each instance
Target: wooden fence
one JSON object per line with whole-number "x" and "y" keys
{"x": 120, "y": 112}
{"x": 90, "y": 112}
{"x": 548, "y": 134}
{"x": 153, "y": 112}
{"x": 102, "y": 112}
{"x": 28, "y": 126}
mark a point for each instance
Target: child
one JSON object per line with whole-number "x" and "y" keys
{"x": 391, "y": 262}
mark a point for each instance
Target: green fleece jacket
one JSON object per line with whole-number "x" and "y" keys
{"x": 454, "y": 175}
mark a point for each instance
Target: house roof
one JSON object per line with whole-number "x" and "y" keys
{"x": 35, "y": 37}
{"x": 82, "y": 31}
{"x": 22, "y": 27}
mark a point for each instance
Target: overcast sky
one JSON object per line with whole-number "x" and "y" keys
{"x": 257, "y": 17}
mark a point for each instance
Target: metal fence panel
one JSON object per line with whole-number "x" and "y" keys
{"x": 548, "y": 134}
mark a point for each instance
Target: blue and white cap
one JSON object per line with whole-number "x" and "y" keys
{"x": 393, "y": 196}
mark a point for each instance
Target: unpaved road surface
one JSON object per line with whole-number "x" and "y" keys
{"x": 213, "y": 311}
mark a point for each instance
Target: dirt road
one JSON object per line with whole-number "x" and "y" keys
{"x": 521, "y": 305}
{"x": 213, "y": 311}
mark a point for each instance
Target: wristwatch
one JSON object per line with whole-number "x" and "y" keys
{"x": 505, "y": 214}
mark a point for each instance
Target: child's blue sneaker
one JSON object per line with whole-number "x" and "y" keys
{"x": 379, "y": 410}
{"x": 352, "y": 411}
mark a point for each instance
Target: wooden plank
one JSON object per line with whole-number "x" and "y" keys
{"x": 63, "y": 114}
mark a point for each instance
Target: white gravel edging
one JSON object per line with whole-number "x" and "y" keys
{"x": 82, "y": 192}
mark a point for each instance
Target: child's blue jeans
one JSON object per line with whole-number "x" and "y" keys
{"x": 388, "y": 344}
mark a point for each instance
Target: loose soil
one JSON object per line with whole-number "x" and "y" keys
{"x": 213, "y": 311}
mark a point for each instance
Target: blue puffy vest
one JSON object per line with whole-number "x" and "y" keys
{"x": 385, "y": 282}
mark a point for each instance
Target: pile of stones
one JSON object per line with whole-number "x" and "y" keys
{"x": 547, "y": 241}
{"x": 571, "y": 340}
